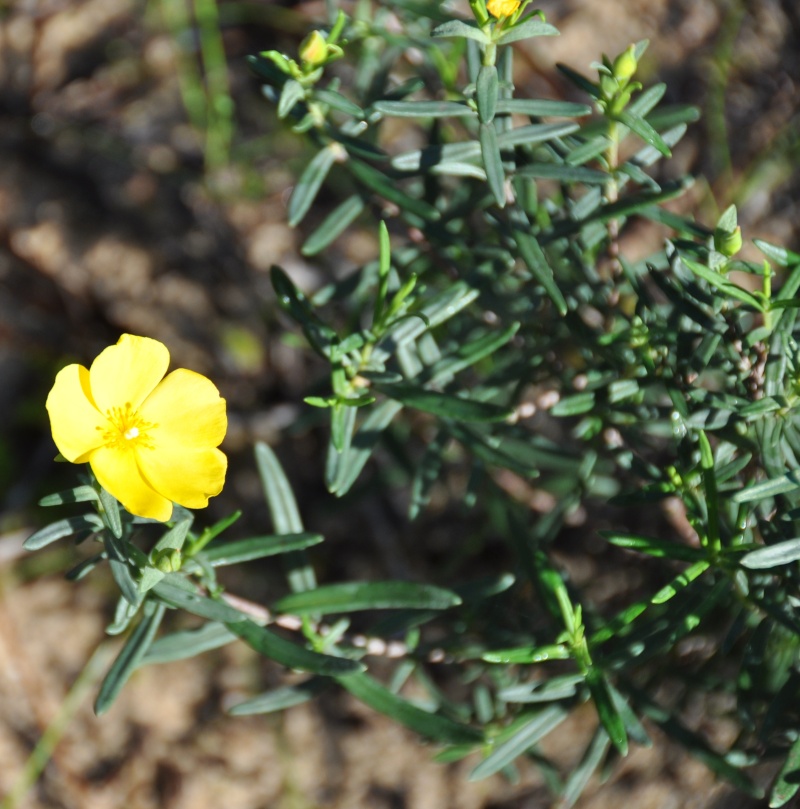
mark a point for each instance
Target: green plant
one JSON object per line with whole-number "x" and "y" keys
{"x": 504, "y": 343}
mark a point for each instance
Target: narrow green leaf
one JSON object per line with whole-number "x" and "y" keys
{"x": 646, "y": 132}
{"x": 527, "y": 656}
{"x": 768, "y": 488}
{"x": 606, "y": 710}
{"x": 445, "y": 405}
{"x": 337, "y": 221}
{"x": 117, "y": 553}
{"x": 493, "y": 163}
{"x": 574, "y": 405}
{"x": 364, "y": 441}
{"x": 580, "y": 775}
{"x": 470, "y": 353}
{"x": 424, "y": 109}
{"x": 285, "y": 515}
{"x": 536, "y": 107}
{"x": 278, "y": 699}
{"x": 579, "y": 80}
{"x": 291, "y": 93}
{"x": 339, "y": 102}
{"x": 660, "y": 548}
{"x": 110, "y": 513}
{"x": 245, "y": 550}
{"x": 459, "y": 28}
{"x": 535, "y": 258}
{"x": 721, "y": 282}
{"x": 62, "y": 528}
{"x": 526, "y": 737}
{"x": 563, "y": 173}
{"x": 354, "y": 596}
{"x": 129, "y": 657}
{"x": 534, "y": 133}
{"x": 188, "y": 643}
{"x": 79, "y": 494}
{"x": 291, "y": 655}
{"x": 432, "y": 726}
{"x": 680, "y": 582}
{"x": 387, "y": 187}
{"x": 294, "y": 303}
{"x": 176, "y": 536}
{"x": 532, "y": 28}
{"x": 305, "y": 192}
{"x": 197, "y": 604}
{"x": 781, "y": 553}
{"x": 780, "y": 255}
{"x": 486, "y": 90}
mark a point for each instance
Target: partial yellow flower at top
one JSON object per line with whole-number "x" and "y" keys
{"x": 151, "y": 440}
{"x": 502, "y": 8}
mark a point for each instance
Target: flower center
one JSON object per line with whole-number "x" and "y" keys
{"x": 126, "y": 429}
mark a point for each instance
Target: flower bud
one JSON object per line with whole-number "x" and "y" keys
{"x": 168, "y": 560}
{"x": 502, "y": 8}
{"x": 625, "y": 64}
{"x": 728, "y": 242}
{"x": 314, "y": 49}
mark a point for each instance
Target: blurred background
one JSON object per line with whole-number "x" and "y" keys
{"x": 143, "y": 187}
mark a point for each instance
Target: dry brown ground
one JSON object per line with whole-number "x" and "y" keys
{"x": 105, "y": 225}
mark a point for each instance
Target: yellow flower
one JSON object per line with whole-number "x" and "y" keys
{"x": 502, "y": 8}
{"x": 151, "y": 440}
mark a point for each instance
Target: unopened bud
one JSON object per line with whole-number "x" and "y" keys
{"x": 314, "y": 49}
{"x": 169, "y": 561}
{"x": 728, "y": 242}
{"x": 625, "y": 64}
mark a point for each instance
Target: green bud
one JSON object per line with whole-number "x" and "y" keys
{"x": 729, "y": 243}
{"x": 314, "y": 49}
{"x": 168, "y": 560}
{"x": 625, "y": 64}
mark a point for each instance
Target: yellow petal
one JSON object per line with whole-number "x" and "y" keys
{"x": 117, "y": 472}
{"x": 186, "y": 475}
{"x": 127, "y": 372}
{"x": 76, "y": 423}
{"x": 186, "y": 410}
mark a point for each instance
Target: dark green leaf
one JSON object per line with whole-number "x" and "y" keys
{"x": 308, "y": 185}
{"x": 423, "y": 109}
{"x": 541, "y": 106}
{"x": 486, "y": 90}
{"x": 445, "y": 405}
{"x": 458, "y": 28}
{"x": 353, "y": 596}
{"x": 338, "y": 102}
{"x": 493, "y": 163}
{"x": 290, "y": 654}
{"x": 339, "y": 219}
{"x": 80, "y": 494}
{"x": 522, "y": 740}
{"x": 129, "y": 657}
{"x": 531, "y": 28}
{"x": 660, "y": 548}
{"x": 606, "y": 710}
{"x": 433, "y": 726}
{"x": 62, "y": 528}
{"x": 196, "y": 604}
{"x": 285, "y": 515}
{"x": 245, "y": 550}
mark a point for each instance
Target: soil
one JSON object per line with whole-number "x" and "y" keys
{"x": 109, "y": 223}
